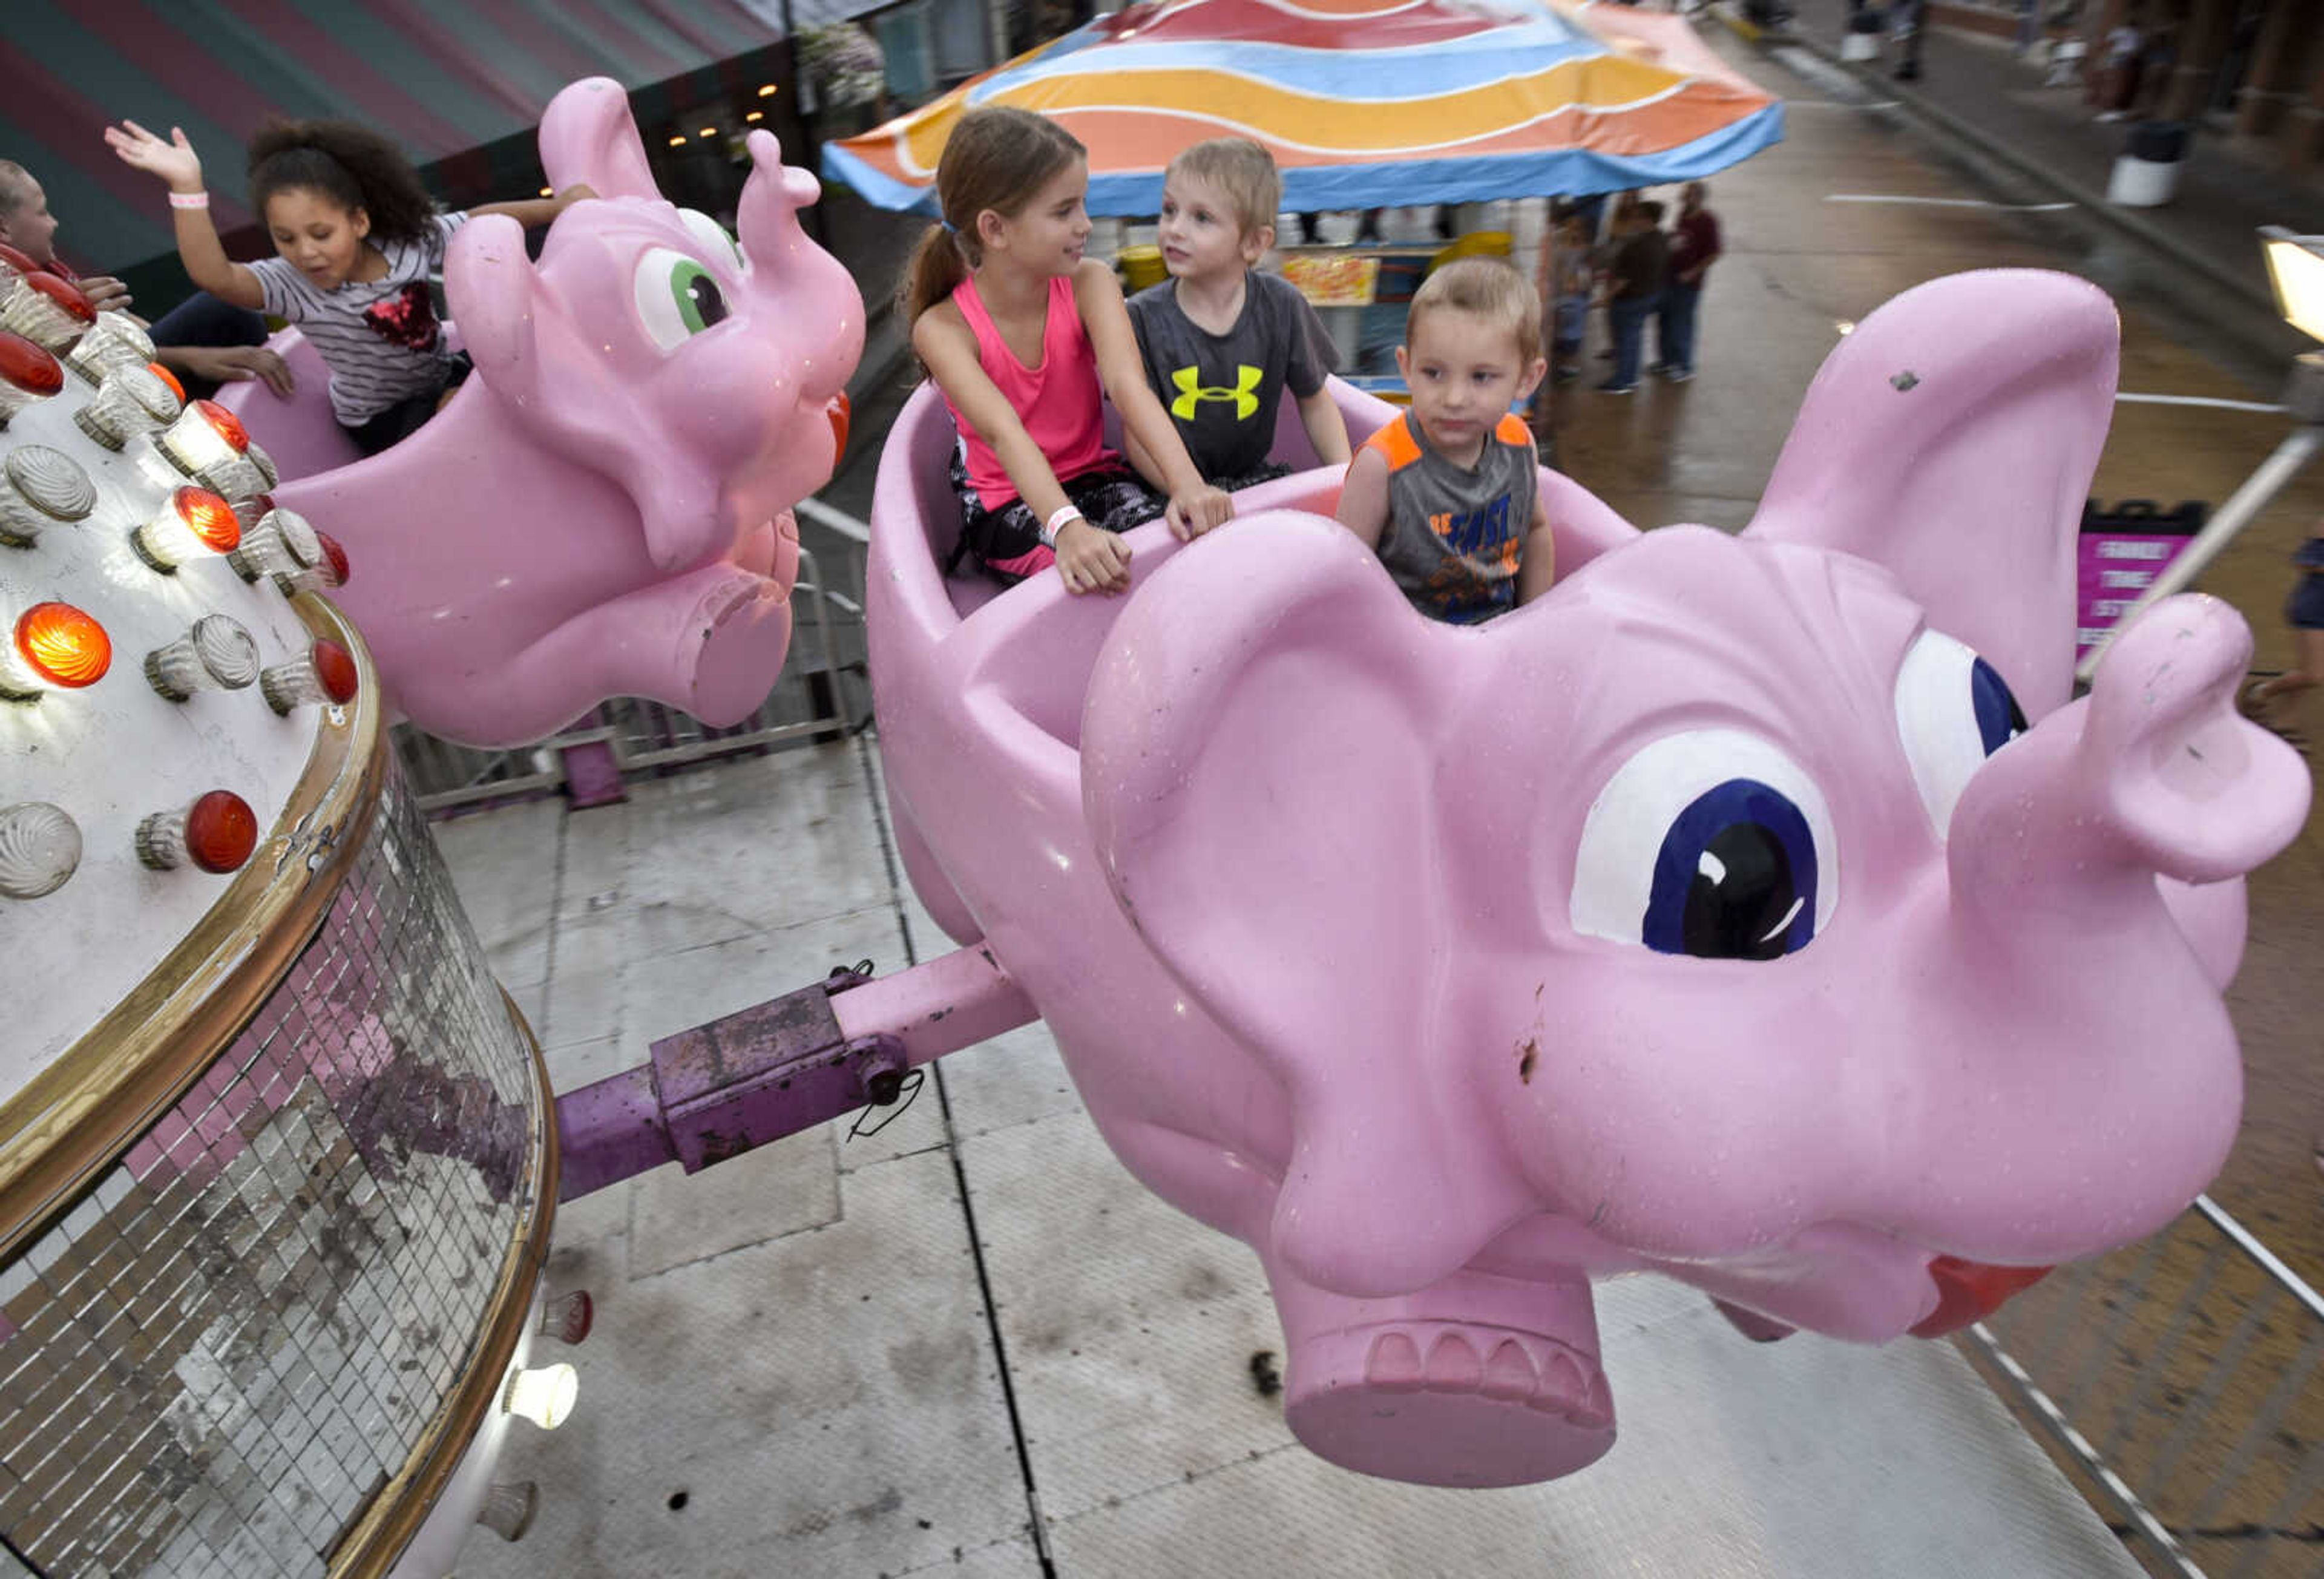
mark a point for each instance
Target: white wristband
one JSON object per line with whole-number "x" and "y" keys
{"x": 189, "y": 199}
{"x": 1059, "y": 520}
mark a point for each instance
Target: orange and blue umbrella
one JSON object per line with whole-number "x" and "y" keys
{"x": 1362, "y": 103}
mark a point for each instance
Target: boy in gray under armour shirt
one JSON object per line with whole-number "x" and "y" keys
{"x": 1222, "y": 341}
{"x": 1447, "y": 493}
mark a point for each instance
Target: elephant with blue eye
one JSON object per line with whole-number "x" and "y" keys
{"x": 1757, "y": 910}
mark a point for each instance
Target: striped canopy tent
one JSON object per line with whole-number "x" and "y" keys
{"x": 1363, "y": 103}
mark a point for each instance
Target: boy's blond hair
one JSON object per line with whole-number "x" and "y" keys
{"x": 1490, "y": 289}
{"x": 1241, "y": 168}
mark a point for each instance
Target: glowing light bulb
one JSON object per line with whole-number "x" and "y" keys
{"x": 279, "y": 542}
{"x": 218, "y": 653}
{"x": 190, "y": 521}
{"x": 131, "y": 401}
{"x": 544, "y": 1396}
{"x": 215, "y": 834}
{"x": 40, "y": 848}
{"x": 168, "y": 378}
{"x": 206, "y": 436}
{"x": 27, "y": 374}
{"x": 12, "y": 262}
{"x": 39, "y": 486}
{"x": 56, "y": 645}
{"x": 45, "y": 310}
{"x": 327, "y": 674}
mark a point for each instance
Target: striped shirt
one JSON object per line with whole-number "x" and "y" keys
{"x": 378, "y": 338}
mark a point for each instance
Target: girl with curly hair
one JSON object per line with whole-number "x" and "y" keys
{"x": 356, "y": 238}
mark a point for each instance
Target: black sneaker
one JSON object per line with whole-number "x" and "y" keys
{"x": 1658, "y": 369}
{"x": 1611, "y": 387}
{"x": 1677, "y": 374}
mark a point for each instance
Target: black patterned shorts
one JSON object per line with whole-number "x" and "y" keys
{"x": 1007, "y": 542}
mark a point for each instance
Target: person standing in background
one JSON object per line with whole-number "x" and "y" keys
{"x": 1694, "y": 248}
{"x": 1640, "y": 272}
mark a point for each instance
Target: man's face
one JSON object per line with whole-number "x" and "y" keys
{"x": 30, "y": 228}
{"x": 1690, "y": 197}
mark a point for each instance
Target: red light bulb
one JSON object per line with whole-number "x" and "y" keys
{"x": 228, "y": 426}
{"x": 170, "y": 378}
{"x": 64, "y": 646}
{"x": 221, "y": 831}
{"x": 334, "y": 667}
{"x": 65, "y": 294}
{"x": 337, "y": 554}
{"x": 209, "y": 518}
{"x": 28, "y": 366}
{"x": 20, "y": 262}
{"x": 216, "y": 834}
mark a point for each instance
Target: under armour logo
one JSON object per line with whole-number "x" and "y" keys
{"x": 1191, "y": 393}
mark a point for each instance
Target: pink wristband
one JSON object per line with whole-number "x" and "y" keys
{"x": 189, "y": 199}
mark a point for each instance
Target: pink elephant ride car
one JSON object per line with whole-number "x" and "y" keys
{"x": 1757, "y": 910}
{"x": 605, "y": 508}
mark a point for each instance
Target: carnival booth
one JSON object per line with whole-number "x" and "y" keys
{"x": 1490, "y": 109}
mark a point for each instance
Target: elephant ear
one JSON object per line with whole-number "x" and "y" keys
{"x": 586, "y": 134}
{"x": 1259, "y": 757}
{"x": 1952, "y": 438}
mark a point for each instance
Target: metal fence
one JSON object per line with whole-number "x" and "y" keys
{"x": 811, "y": 701}
{"x": 2171, "y": 1380}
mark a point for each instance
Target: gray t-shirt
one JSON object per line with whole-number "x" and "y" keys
{"x": 1223, "y": 390}
{"x": 378, "y": 338}
{"x": 1455, "y": 536}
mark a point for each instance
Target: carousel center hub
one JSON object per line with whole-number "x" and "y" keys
{"x": 277, "y": 1157}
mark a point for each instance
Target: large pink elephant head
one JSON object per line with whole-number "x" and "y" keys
{"x": 1756, "y": 910}
{"x": 605, "y": 509}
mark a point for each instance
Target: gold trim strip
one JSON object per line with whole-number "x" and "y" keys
{"x": 372, "y": 1545}
{"x": 72, "y": 1119}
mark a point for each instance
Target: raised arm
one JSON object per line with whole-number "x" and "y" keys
{"x": 534, "y": 212}
{"x": 1195, "y": 507}
{"x": 177, "y": 164}
{"x": 1088, "y": 559}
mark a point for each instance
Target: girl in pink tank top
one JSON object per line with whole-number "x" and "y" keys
{"x": 1024, "y": 336}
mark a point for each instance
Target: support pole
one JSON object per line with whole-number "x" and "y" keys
{"x": 736, "y": 1082}
{"x": 2298, "y": 449}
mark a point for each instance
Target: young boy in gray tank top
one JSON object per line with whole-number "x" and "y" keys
{"x": 1447, "y": 494}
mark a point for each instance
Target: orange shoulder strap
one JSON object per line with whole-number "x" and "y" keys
{"x": 1396, "y": 444}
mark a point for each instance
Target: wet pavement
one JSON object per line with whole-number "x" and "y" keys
{"x": 826, "y": 1393}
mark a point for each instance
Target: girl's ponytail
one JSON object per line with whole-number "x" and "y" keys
{"x": 937, "y": 266}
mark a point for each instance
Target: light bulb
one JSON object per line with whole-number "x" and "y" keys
{"x": 27, "y": 374}
{"x": 45, "y": 310}
{"x": 131, "y": 401}
{"x": 115, "y": 342}
{"x": 544, "y": 1396}
{"x": 191, "y": 523}
{"x": 39, "y": 486}
{"x": 217, "y": 654}
{"x": 216, "y": 834}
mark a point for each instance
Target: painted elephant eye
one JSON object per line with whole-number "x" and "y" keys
{"x": 714, "y": 237}
{"x": 1953, "y": 710}
{"x": 1712, "y": 843}
{"x": 678, "y": 297}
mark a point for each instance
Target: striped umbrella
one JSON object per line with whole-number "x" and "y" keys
{"x": 1362, "y": 103}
